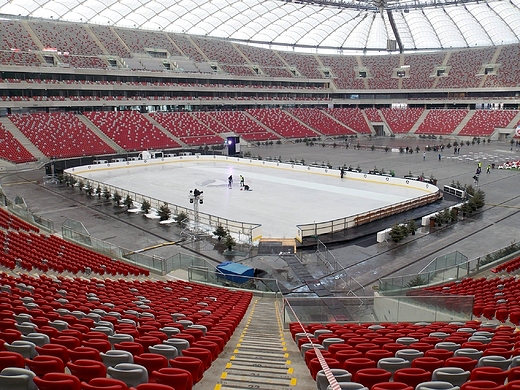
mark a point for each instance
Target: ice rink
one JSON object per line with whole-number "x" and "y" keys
{"x": 281, "y": 197}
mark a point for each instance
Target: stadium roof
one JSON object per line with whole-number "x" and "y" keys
{"x": 324, "y": 26}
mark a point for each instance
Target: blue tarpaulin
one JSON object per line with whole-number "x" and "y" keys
{"x": 237, "y": 273}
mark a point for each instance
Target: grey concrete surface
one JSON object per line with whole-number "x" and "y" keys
{"x": 494, "y": 228}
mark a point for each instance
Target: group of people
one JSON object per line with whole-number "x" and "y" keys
{"x": 479, "y": 171}
{"x": 243, "y": 186}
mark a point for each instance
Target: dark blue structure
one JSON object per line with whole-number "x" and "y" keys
{"x": 236, "y": 273}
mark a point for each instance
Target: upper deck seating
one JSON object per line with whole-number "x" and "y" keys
{"x": 13, "y": 36}
{"x": 268, "y": 60}
{"x": 422, "y": 69}
{"x": 305, "y": 64}
{"x": 65, "y": 37}
{"x": 285, "y": 125}
{"x": 320, "y": 121}
{"x": 441, "y": 122}
{"x": 381, "y": 70}
{"x": 184, "y": 43}
{"x": 464, "y": 67}
{"x": 83, "y": 61}
{"x": 401, "y": 120}
{"x": 19, "y": 58}
{"x": 139, "y": 40}
{"x": 220, "y": 51}
{"x": 352, "y": 117}
{"x": 110, "y": 41}
{"x": 343, "y": 70}
{"x": 484, "y": 122}
{"x": 60, "y": 135}
{"x": 508, "y": 74}
{"x": 11, "y": 149}
{"x": 130, "y": 130}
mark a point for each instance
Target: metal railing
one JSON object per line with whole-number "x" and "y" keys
{"x": 378, "y": 309}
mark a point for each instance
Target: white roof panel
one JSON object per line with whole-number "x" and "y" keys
{"x": 333, "y": 24}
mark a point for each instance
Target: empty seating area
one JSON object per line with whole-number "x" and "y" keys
{"x": 422, "y": 68}
{"x": 307, "y": 65}
{"x": 464, "y": 67}
{"x": 381, "y": 70}
{"x": 37, "y": 251}
{"x": 495, "y": 297}
{"x": 12, "y": 150}
{"x": 138, "y": 40}
{"x": 373, "y": 115}
{"x": 65, "y": 37}
{"x": 262, "y": 57}
{"x": 13, "y": 36}
{"x": 509, "y": 266}
{"x": 507, "y": 73}
{"x": 83, "y": 61}
{"x": 60, "y": 135}
{"x": 320, "y": 121}
{"x": 19, "y": 58}
{"x": 484, "y": 122}
{"x": 283, "y": 124}
{"x": 187, "y": 127}
{"x": 67, "y": 330}
{"x": 220, "y": 51}
{"x": 352, "y": 117}
{"x": 108, "y": 38}
{"x": 401, "y": 120}
{"x": 237, "y": 70}
{"x": 130, "y": 130}
{"x": 184, "y": 43}
{"x": 242, "y": 124}
{"x": 409, "y": 356}
{"x": 441, "y": 122}
{"x": 343, "y": 70}
{"x": 10, "y": 221}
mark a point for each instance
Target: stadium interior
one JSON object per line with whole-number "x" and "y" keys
{"x": 79, "y": 313}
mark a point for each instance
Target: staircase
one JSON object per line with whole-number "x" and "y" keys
{"x": 261, "y": 358}
{"x": 463, "y": 123}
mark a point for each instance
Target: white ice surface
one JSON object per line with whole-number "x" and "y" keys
{"x": 280, "y": 198}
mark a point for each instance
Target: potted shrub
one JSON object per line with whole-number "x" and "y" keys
{"x": 117, "y": 198}
{"x": 230, "y": 242}
{"x": 106, "y": 193}
{"x": 164, "y": 212}
{"x": 412, "y": 227}
{"x": 182, "y": 219}
{"x": 128, "y": 202}
{"x": 220, "y": 232}
{"x": 145, "y": 206}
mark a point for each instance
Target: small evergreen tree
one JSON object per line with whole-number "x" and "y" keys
{"x": 412, "y": 226}
{"x": 98, "y": 191}
{"x": 81, "y": 185}
{"x": 117, "y": 198}
{"x": 230, "y": 242}
{"x": 128, "y": 202}
{"x": 145, "y": 206}
{"x": 106, "y": 193}
{"x": 89, "y": 190}
{"x": 164, "y": 212}
{"x": 220, "y": 232}
{"x": 182, "y": 219}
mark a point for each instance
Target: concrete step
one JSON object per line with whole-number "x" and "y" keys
{"x": 261, "y": 359}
